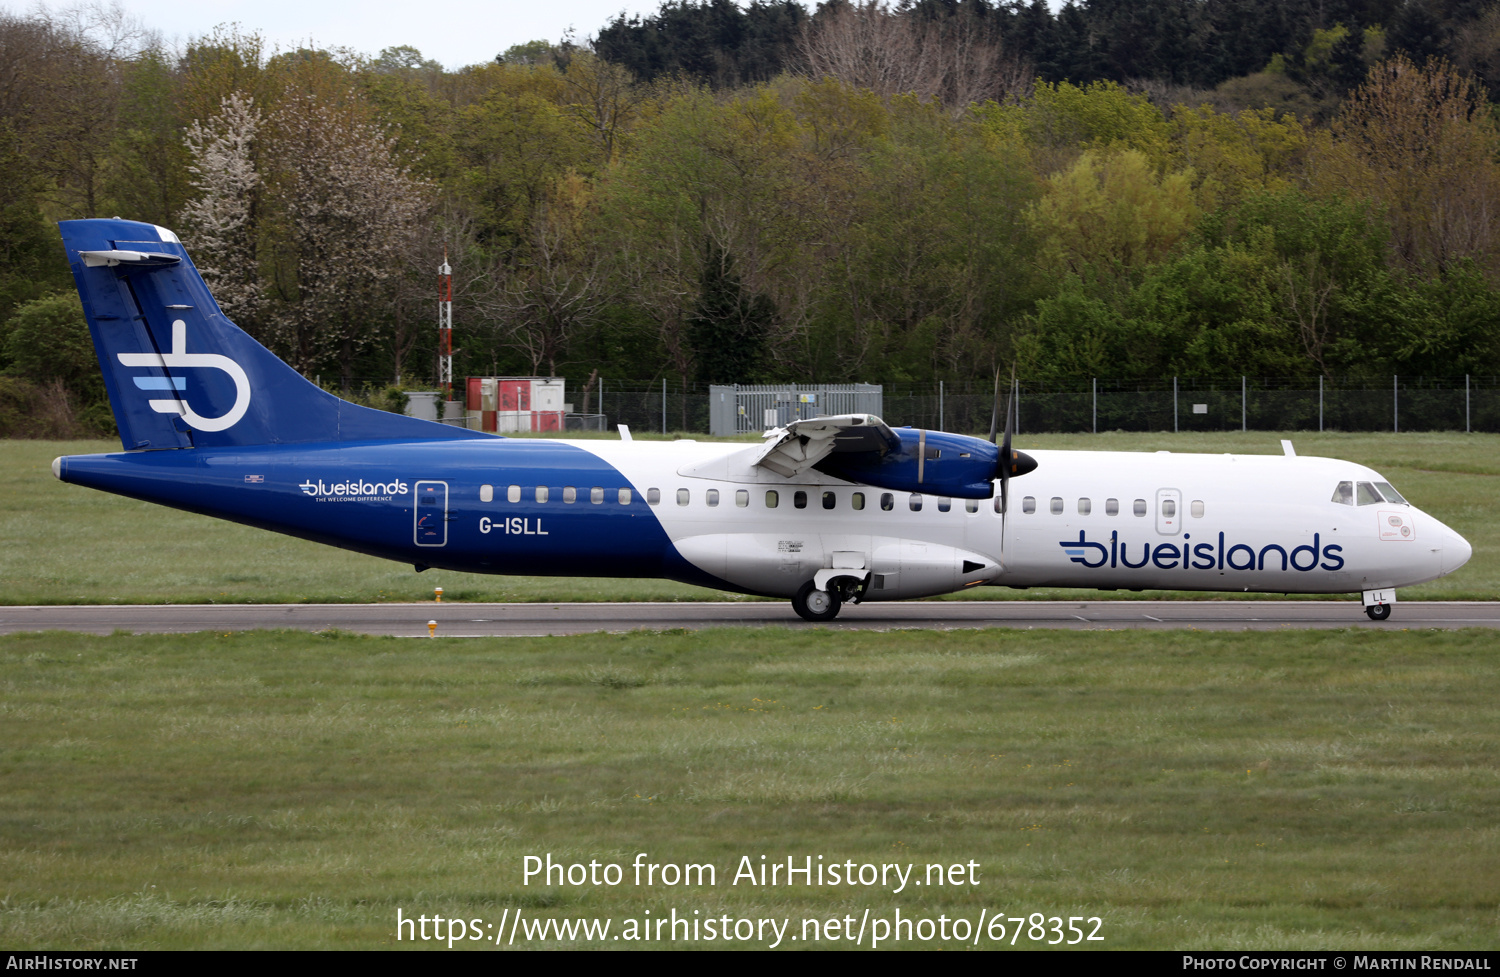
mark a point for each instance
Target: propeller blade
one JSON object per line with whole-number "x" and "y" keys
{"x": 1005, "y": 455}
{"x": 995, "y": 412}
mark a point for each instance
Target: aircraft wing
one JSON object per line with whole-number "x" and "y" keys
{"x": 802, "y": 444}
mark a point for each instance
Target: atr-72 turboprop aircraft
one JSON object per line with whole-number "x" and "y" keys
{"x": 826, "y": 511}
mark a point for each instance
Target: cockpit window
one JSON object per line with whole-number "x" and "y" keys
{"x": 1391, "y": 495}
{"x": 1344, "y": 494}
{"x": 1367, "y": 495}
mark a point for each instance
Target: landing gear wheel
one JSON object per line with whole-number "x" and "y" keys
{"x": 815, "y": 605}
{"x": 1378, "y": 612}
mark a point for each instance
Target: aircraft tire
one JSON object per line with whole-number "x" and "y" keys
{"x": 1378, "y": 612}
{"x": 815, "y": 605}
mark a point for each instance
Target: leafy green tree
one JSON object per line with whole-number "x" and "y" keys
{"x": 403, "y": 60}
{"x": 1239, "y": 154}
{"x": 730, "y": 327}
{"x": 1423, "y": 143}
{"x": 529, "y": 54}
{"x": 514, "y": 148}
{"x": 1113, "y": 211}
{"x": 1063, "y": 118}
{"x": 47, "y": 339}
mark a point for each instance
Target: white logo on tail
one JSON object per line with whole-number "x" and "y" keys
{"x": 179, "y": 356}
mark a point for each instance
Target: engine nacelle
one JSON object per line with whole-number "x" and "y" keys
{"x": 929, "y": 462}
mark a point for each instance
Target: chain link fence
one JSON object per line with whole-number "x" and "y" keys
{"x": 1404, "y": 403}
{"x": 1407, "y": 403}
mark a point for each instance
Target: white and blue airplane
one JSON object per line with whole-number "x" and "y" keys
{"x": 825, "y": 512}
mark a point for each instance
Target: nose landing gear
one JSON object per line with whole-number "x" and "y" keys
{"x": 1378, "y": 603}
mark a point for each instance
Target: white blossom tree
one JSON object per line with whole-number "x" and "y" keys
{"x": 220, "y": 222}
{"x": 347, "y": 211}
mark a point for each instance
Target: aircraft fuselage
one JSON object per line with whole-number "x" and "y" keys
{"x": 1107, "y": 520}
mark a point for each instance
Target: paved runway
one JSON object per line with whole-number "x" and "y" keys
{"x": 482, "y": 620}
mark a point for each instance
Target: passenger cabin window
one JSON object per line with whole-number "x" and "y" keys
{"x": 596, "y": 495}
{"x": 1391, "y": 495}
{"x": 1366, "y": 494}
{"x": 887, "y": 502}
{"x": 857, "y": 501}
{"x": 513, "y": 494}
{"x": 541, "y": 493}
{"x": 830, "y": 500}
{"x": 915, "y": 502}
{"x": 1085, "y": 506}
{"x": 971, "y": 505}
{"x": 741, "y": 498}
{"x": 1028, "y": 504}
{"x": 653, "y": 496}
{"x": 711, "y": 497}
{"x": 1140, "y": 507}
{"x": 799, "y": 500}
{"x": 570, "y": 494}
{"x": 623, "y": 496}
{"x": 772, "y": 499}
{"x": 684, "y": 496}
{"x": 944, "y": 505}
{"x": 1197, "y": 508}
{"x": 1111, "y": 507}
{"x": 1344, "y": 494}
{"x": 486, "y": 493}
{"x": 1169, "y": 508}
{"x": 1057, "y": 506}
{"x": 999, "y": 504}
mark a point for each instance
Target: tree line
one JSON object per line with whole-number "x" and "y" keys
{"x": 763, "y": 194}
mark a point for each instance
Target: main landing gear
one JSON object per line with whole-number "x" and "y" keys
{"x": 1378, "y": 612}
{"x": 816, "y": 605}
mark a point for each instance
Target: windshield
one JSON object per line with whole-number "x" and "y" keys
{"x": 1391, "y": 495}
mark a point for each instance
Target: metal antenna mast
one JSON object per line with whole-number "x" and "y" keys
{"x": 445, "y": 327}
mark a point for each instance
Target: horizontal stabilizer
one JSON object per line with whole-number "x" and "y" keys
{"x": 138, "y": 259}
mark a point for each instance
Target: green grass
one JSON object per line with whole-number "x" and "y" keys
{"x": 65, "y": 544}
{"x": 277, "y": 789}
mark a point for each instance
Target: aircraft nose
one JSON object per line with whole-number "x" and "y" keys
{"x": 1456, "y": 552}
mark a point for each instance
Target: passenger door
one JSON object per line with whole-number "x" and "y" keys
{"x": 430, "y": 514}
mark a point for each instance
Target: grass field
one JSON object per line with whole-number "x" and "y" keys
{"x": 65, "y": 544}
{"x": 1285, "y": 790}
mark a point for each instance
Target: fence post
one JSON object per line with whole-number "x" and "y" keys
{"x": 1174, "y": 405}
{"x": 664, "y": 405}
{"x": 1395, "y": 404}
{"x": 1096, "y": 405}
{"x": 1467, "y": 428}
{"x": 605, "y": 420}
{"x": 1320, "y": 403}
{"x": 941, "y": 425}
{"x": 1243, "y": 412}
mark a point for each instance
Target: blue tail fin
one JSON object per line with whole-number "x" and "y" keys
{"x": 180, "y": 374}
